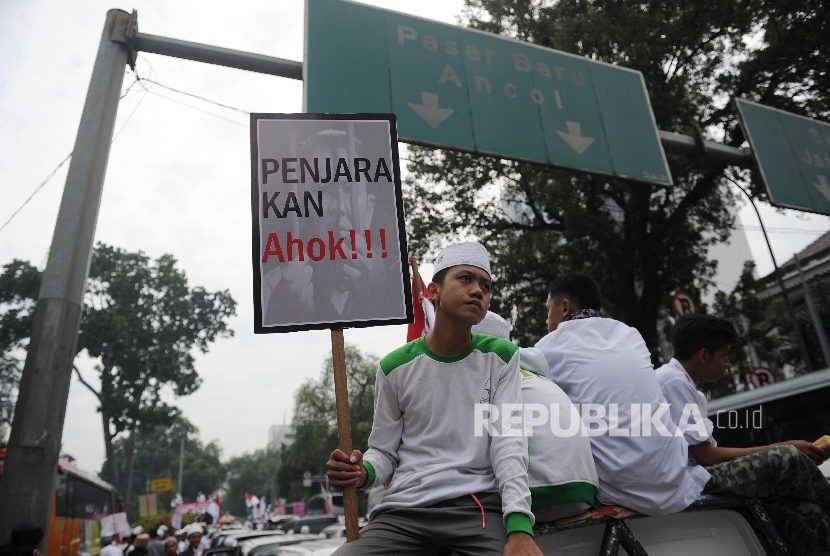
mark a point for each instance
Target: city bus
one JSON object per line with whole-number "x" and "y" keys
{"x": 795, "y": 409}
{"x": 80, "y": 500}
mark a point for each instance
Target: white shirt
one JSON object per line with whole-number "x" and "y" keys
{"x": 605, "y": 362}
{"x": 561, "y": 467}
{"x": 680, "y": 391}
{"x": 111, "y": 550}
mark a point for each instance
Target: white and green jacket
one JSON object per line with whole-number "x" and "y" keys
{"x": 561, "y": 471}
{"x": 424, "y": 436}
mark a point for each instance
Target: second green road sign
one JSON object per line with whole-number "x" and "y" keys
{"x": 793, "y": 156}
{"x": 467, "y": 90}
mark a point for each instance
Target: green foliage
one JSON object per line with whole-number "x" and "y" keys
{"x": 639, "y": 241}
{"x": 315, "y": 421}
{"x": 249, "y": 473}
{"x": 19, "y": 285}
{"x": 157, "y": 456}
{"x": 767, "y": 333}
{"x": 142, "y": 320}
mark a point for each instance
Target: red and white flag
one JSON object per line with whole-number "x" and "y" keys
{"x": 251, "y": 500}
{"x": 422, "y": 306}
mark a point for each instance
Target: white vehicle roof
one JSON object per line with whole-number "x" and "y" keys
{"x": 320, "y": 547}
{"x": 274, "y": 541}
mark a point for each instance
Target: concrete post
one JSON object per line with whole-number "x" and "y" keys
{"x": 35, "y": 441}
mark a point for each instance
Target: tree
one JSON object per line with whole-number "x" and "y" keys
{"x": 639, "y": 241}
{"x": 19, "y": 285}
{"x": 142, "y": 321}
{"x": 254, "y": 474}
{"x": 759, "y": 330}
{"x": 157, "y": 456}
{"x": 315, "y": 419}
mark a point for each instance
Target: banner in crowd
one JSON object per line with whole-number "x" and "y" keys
{"x": 211, "y": 506}
{"x": 329, "y": 246}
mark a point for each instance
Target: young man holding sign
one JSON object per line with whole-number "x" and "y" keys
{"x": 451, "y": 486}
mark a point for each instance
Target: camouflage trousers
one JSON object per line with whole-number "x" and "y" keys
{"x": 790, "y": 487}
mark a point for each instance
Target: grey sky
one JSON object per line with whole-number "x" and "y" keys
{"x": 178, "y": 182}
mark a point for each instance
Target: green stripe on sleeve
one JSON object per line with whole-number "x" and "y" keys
{"x": 542, "y": 497}
{"x": 519, "y": 522}
{"x": 370, "y": 474}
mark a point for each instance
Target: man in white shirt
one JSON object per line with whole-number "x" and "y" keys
{"x": 604, "y": 366}
{"x": 561, "y": 471}
{"x": 109, "y": 549}
{"x": 784, "y": 476}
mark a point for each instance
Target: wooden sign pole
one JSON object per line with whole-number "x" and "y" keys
{"x": 344, "y": 427}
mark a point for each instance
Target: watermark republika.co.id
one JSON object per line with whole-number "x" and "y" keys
{"x": 589, "y": 419}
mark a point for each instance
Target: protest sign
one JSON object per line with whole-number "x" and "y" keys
{"x": 329, "y": 247}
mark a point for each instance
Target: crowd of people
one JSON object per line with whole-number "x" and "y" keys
{"x": 597, "y": 424}
{"x": 189, "y": 541}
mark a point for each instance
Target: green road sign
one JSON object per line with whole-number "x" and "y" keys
{"x": 793, "y": 156}
{"x": 478, "y": 92}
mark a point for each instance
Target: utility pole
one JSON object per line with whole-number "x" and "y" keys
{"x": 26, "y": 491}
{"x": 181, "y": 465}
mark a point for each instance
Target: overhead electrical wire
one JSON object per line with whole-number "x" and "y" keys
{"x": 59, "y": 166}
{"x": 38, "y": 188}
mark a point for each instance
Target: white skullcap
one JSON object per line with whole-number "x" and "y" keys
{"x": 194, "y": 528}
{"x": 473, "y": 254}
{"x": 137, "y": 530}
{"x": 493, "y": 325}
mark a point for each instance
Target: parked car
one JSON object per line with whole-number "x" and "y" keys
{"x": 234, "y": 540}
{"x": 219, "y": 537}
{"x": 267, "y": 545}
{"x": 287, "y": 524}
{"x": 316, "y": 505}
{"x": 320, "y": 547}
{"x": 314, "y": 524}
{"x": 333, "y": 532}
{"x": 244, "y": 547}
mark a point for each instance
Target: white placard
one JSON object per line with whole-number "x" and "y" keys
{"x": 329, "y": 246}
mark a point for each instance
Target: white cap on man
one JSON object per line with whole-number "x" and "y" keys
{"x": 470, "y": 253}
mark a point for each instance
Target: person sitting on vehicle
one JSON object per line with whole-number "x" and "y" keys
{"x": 562, "y": 476}
{"x": 451, "y": 486}
{"x": 784, "y": 476}
{"x": 604, "y": 366}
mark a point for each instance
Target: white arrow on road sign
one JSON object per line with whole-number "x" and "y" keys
{"x": 823, "y": 187}
{"x": 574, "y": 137}
{"x": 429, "y": 110}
